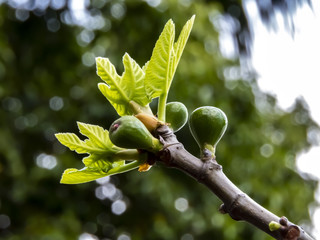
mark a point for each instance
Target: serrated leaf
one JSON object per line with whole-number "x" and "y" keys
{"x": 133, "y": 81}
{"x": 107, "y": 72}
{"x": 121, "y": 90}
{"x": 158, "y": 72}
{"x": 73, "y": 142}
{"x": 75, "y": 176}
{"x": 144, "y": 67}
{"x": 98, "y": 137}
{"x": 117, "y": 102}
{"x": 181, "y": 43}
{"x": 97, "y": 144}
{"x": 165, "y": 58}
{"x": 113, "y": 91}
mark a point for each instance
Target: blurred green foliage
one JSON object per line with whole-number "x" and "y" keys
{"x": 48, "y": 82}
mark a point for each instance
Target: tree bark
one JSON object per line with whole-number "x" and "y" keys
{"x": 235, "y": 203}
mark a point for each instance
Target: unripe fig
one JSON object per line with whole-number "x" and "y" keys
{"x": 130, "y": 132}
{"x": 207, "y": 125}
{"x": 176, "y": 115}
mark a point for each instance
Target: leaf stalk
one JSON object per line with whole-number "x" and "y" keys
{"x": 162, "y": 107}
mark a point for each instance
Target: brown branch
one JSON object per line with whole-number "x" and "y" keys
{"x": 235, "y": 203}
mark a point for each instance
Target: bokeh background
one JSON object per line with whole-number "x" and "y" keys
{"x": 48, "y": 82}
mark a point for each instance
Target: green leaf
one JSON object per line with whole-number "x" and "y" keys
{"x": 133, "y": 81}
{"x": 158, "y": 74}
{"x": 104, "y": 157}
{"x": 75, "y": 176}
{"x": 73, "y": 142}
{"x": 112, "y": 90}
{"x": 144, "y": 67}
{"x": 98, "y": 137}
{"x": 94, "y": 161}
{"x": 97, "y": 144}
{"x": 121, "y": 90}
{"x": 119, "y": 105}
{"x": 165, "y": 58}
{"x": 181, "y": 43}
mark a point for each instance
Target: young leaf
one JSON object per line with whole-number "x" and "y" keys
{"x": 121, "y": 90}
{"x": 112, "y": 90}
{"x": 158, "y": 72}
{"x": 98, "y": 137}
{"x": 181, "y": 43}
{"x": 163, "y": 63}
{"x": 144, "y": 67}
{"x": 165, "y": 58}
{"x": 133, "y": 81}
{"x": 73, "y": 142}
{"x": 75, "y": 176}
{"x": 95, "y": 161}
{"x": 98, "y": 164}
{"x": 116, "y": 101}
{"x": 97, "y": 144}
{"x": 104, "y": 157}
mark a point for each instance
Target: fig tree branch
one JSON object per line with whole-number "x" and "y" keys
{"x": 236, "y": 203}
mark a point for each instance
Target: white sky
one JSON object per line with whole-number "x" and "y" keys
{"x": 289, "y": 67}
{"x": 289, "y": 63}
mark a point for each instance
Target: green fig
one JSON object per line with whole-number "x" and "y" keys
{"x": 130, "y": 132}
{"x": 207, "y": 125}
{"x": 176, "y": 115}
